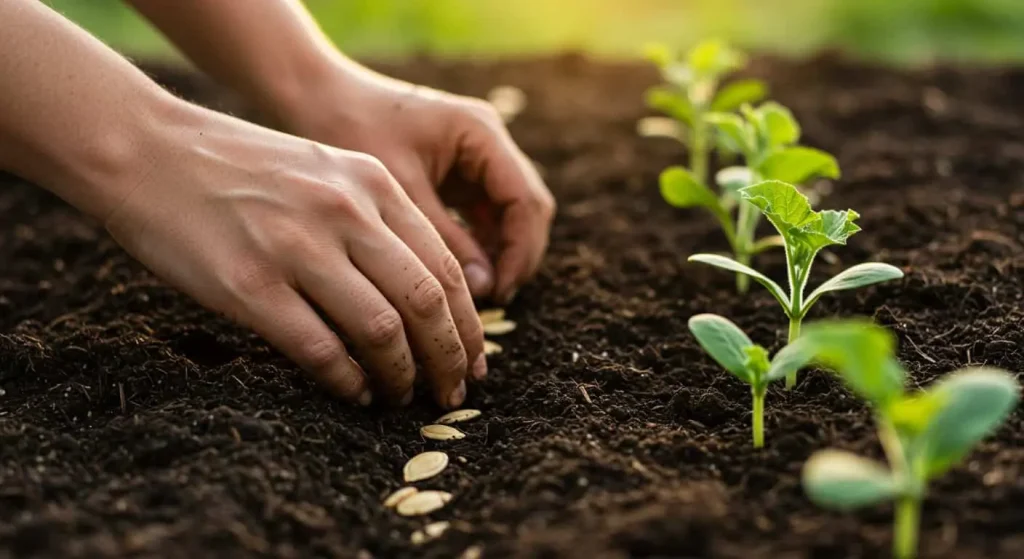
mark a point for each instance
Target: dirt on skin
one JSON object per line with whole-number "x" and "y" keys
{"x": 134, "y": 423}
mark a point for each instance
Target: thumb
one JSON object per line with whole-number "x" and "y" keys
{"x": 476, "y": 266}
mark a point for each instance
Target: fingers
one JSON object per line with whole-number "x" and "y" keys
{"x": 410, "y": 225}
{"x": 283, "y": 318}
{"x": 422, "y": 301}
{"x": 476, "y": 266}
{"x": 372, "y": 324}
{"x": 491, "y": 158}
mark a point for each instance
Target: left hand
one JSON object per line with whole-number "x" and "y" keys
{"x": 446, "y": 151}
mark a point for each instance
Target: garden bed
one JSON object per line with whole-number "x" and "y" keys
{"x": 133, "y": 423}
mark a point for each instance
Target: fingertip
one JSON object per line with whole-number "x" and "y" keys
{"x": 458, "y": 396}
{"x": 479, "y": 278}
{"x": 480, "y": 367}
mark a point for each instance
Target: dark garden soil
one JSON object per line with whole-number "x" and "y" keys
{"x": 133, "y": 423}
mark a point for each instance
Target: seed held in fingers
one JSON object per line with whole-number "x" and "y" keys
{"x": 424, "y": 502}
{"x": 424, "y": 466}
{"x": 441, "y": 433}
{"x": 457, "y": 416}
{"x": 400, "y": 495}
{"x": 500, "y": 327}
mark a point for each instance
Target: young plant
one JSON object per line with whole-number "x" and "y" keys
{"x": 804, "y": 233}
{"x": 923, "y": 433}
{"x": 747, "y": 361}
{"x": 766, "y": 137}
{"x": 691, "y": 92}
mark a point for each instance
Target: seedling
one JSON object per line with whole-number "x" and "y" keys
{"x": 691, "y": 93}
{"x": 923, "y": 433}
{"x": 804, "y": 233}
{"x": 766, "y": 137}
{"x": 747, "y": 361}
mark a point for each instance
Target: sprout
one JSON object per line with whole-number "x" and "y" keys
{"x": 734, "y": 351}
{"x": 804, "y": 233}
{"x": 923, "y": 433}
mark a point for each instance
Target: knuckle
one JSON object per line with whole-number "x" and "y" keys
{"x": 456, "y": 365}
{"x": 373, "y": 175}
{"x": 451, "y": 271}
{"x": 320, "y": 353}
{"x": 384, "y": 329}
{"x": 544, "y": 205}
{"x": 250, "y": 280}
{"x": 484, "y": 112}
{"x": 428, "y": 299}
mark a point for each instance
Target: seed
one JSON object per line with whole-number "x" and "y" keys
{"x": 492, "y": 315}
{"x": 458, "y": 416}
{"x": 472, "y": 552}
{"x": 425, "y": 465}
{"x": 436, "y": 529}
{"x": 492, "y": 348}
{"x": 424, "y": 502}
{"x": 509, "y": 101}
{"x": 499, "y": 328}
{"x": 399, "y": 496}
{"x": 441, "y": 433}
{"x": 658, "y": 127}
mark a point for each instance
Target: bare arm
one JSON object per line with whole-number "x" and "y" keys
{"x": 273, "y": 52}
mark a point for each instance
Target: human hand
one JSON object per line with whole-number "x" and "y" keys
{"x": 445, "y": 150}
{"x": 264, "y": 227}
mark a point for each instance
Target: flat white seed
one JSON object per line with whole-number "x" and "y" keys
{"x": 658, "y": 127}
{"x": 492, "y": 348}
{"x": 436, "y": 529}
{"x": 509, "y": 101}
{"x": 400, "y": 495}
{"x": 425, "y": 465}
{"x": 418, "y": 538}
{"x": 424, "y": 502}
{"x": 499, "y": 328}
{"x": 472, "y": 552}
{"x": 441, "y": 433}
{"x": 488, "y": 316}
{"x": 457, "y": 416}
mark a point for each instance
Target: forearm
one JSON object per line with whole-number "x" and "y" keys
{"x": 74, "y": 114}
{"x": 271, "y": 51}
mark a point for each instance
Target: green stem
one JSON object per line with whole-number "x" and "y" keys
{"x": 743, "y": 280}
{"x": 699, "y": 149}
{"x": 794, "y": 333}
{"x": 743, "y": 244}
{"x": 908, "y": 518}
{"x": 757, "y": 420}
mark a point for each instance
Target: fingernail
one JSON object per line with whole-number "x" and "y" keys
{"x": 478, "y": 278}
{"x": 407, "y": 399}
{"x": 366, "y": 398}
{"x": 458, "y": 395}
{"x": 480, "y": 367}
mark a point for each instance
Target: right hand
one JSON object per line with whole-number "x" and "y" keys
{"x": 264, "y": 227}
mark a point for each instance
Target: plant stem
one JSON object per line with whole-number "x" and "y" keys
{"x": 699, "y": 149}
{"x": 744, "y": 242}
{"x": 757, "y": 420}
{"x": 908, "y": 517}
{"x": 794, "y": 333}
{"x": 743, "y": 280}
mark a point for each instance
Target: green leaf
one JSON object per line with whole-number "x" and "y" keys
{"x": 782, "y": 204}
{"x": 757, "y": 360}
{"x": 737, "y": 93}
{"x": 832, "y": 228}
{"x": 976, "y": 401}
{"x": 777, "y": 125}
{"x": 731, "y": 179}
{"x": 911, "y": 414}
{"x": 671, "y": 102}
{"x": 853, "y": 277}
{"x": 682, "y": 190}
{"x": 734, "y": 266}
{"x": 733, "y": 133}
{"x": 790, "y": 359}
{"x": 714, "y": 58}
{"x": 840, "y": 480}
{"x": 658, "y": 53}
{"x": 724, "y": 342}
{"x": 862, "y": 353}
{"x": 797, "y": 165}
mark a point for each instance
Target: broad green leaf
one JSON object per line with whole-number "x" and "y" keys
{"x": 797, "y": 165}
{"x": 671, "y": 102}
{"x": 735, "y": 94}
{"x": 782, "y": 204}
{"x": 714, "y": 58}
{"x": 733, "y": 132}
{"x": 853, "y": 277}
{"x": 862, "y": 353}
{"x": 757, "y": 360}
{"x": 682, "y": 190}
{"x": 777, "y": 125}
{"x": 731, "y": 179}
{"x": 832, "y": 228}
{"x": 976, "y": 401}
{"x": 790, "y": 359}
{"x": 912, "y": 413}
{"x": 841, "y": 480}
{"x": 734, "y": 266}
{"x": 724, "y": 342}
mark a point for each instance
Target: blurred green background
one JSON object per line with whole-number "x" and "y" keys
{"x": 902, "y": 31}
